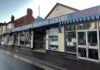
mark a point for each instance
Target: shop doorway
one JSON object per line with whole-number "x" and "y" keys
{"x": 87, "y": 44}
{"x": 39, "y": 39}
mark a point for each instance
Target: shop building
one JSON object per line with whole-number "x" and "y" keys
{"x": 23, "y": 38}
{"x": 11, "y": 38}
{"x": 55, "y": 33}
{"x": 65, "y": 31}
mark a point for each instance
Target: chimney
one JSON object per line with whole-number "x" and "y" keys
{"x": 12, "y": 18}
{"x": 29, "y": 12}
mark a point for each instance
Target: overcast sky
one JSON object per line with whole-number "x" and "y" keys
{"x": 18, "y": 7}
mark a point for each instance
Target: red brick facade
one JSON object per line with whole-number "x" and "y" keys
{"x": 27, "y": 19}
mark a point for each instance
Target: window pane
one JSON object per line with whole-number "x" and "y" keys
{"x": 93, "y": 53}
{"x": 71, "y": 41}
{"x": 81, "y": 38}
{"x": 53, "y": 39}
{"x": 70, "y": 27}
{"x": 82, "y": 52}
{"x": 91, "y": 25}
{"x": 53, "y": 31}
{"x": 81, "y": 26}
{"x": 92, "y": 38}
{"x": 53, "y": 47}
{"x": 53, "y": 43}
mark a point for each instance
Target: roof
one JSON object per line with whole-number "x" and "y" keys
{"x": 84, "y": 15}
{"x": 2, "y": 23}
{"x": 23, "y": 21}
{"x": 61, "y": 5}
{"x": 38, "y": 19}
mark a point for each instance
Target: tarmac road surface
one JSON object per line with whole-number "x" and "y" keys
{"x": 8, "y": 62}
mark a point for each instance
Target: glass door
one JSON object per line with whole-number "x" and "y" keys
{"x": 92, "y": 44}
{"x": 87, "y": 46}
{"x": 81, "y": 44}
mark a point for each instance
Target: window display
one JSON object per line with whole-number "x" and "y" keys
{"x": 25, "y": 39}
{"x": 70, "y": 41}
{"x": 53, "y": 39}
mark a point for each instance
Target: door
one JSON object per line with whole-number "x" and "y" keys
{"x": 39, "y": 39}
{"x": 87, "y": 44}
{"x": 81, "y": 44}
{"x": 92, "y": 44}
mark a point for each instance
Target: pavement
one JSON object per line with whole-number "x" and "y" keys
{"x": 52, "y": 61}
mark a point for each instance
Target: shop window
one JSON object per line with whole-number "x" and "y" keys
{"x": 93, "y": 53}
{"x": 53, "y": 43}
{"x": 88, "y": 25}
{"x": 70, "y": 27}
{"x": 81, "y": 26}
{"x": 25, "y": 38}
{"x": 15, "y": 39}
{"x": 91, "y": 25}
{"x": 53, "y": 31}
{"x": 92, "y": 38}
{"x": 81, "y": 38}
{"x": 70, "y": 42}
{"x": 53, "y": 39}
{"x": 53, "y": 47}
{"x": 82, "y": 52}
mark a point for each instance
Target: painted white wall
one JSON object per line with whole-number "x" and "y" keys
{"x": 60, "y": 10}
{"x": 4, "y": 29}
{"x": 1, "y": 29}
{"x": 10, "y": 26}
{"x": 61, "y": 44}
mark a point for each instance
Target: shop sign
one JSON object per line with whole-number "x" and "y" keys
{"x": 58, "y": 19}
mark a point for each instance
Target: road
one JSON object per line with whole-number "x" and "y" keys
{"x": 7, "y": 62}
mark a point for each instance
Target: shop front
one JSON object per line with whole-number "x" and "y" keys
{"x": 25, "y": 39}
{"x": 83, "y": 39}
